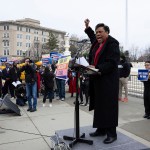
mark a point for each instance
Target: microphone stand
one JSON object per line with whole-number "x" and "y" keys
{"x": 78, "y": 138}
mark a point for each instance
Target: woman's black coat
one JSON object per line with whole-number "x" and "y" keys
{"x": 48, "y": 80}
{"x": 104, "y": 88}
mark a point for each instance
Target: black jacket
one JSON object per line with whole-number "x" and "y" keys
{"x": 30, "y": 74}
{"x": 125, "y": 70}
{"x": 48, "y": 80}
{"x": 5, "y": 73}
{"x": 14, "y": 74}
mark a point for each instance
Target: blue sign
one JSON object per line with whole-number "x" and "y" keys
{"x": 46, "y": 61}
{"x": 55, "y": 55}
{"x": 3, "y": 59}
{"x": 143, "y": 74}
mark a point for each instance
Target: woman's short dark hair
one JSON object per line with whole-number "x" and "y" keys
{"x": 106, "y": 28}
{"x": 148, "y": 61}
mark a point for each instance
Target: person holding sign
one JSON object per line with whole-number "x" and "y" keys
{"x": 147, "y": 93}
{"x": 104, "y": 55}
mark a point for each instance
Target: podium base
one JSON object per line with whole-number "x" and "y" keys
{"x": 77, "y": 140}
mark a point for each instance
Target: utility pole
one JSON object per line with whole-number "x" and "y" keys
{"x": 126, "y": 26}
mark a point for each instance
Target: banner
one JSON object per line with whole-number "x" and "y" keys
{"x": 3, "y": 59}
{"x": 55, "y": 55}
{"x": 143, "y": 74}
{"x": 62, "y": 68}
{"x": 46, "y": 61}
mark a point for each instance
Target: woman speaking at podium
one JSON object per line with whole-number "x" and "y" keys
{"x": 104, "y": 87}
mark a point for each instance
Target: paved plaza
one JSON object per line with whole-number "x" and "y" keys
{"x": 32, "y": 131}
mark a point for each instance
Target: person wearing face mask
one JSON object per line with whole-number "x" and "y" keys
{"x": 104, "y": 55}
{"x": 31, "y": 84}
{"x": 124, "y": 72}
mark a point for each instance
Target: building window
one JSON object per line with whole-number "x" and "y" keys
{"x": 6, "y": 43}
{"x": 36, "y": 38}
{"x": 6, "y": 52}
{"x": 19, "y": 43}
{"x": 28, "y": 30}
{"x": 4, "y": 35}
{"x": 19, "y": 36}
{"x": 6, "y": 27}
{"x": 19, "y": 28}
{"x": 28, "y": 37}
{"x": 19, "y": 52}
{"x": 44, "y": 39}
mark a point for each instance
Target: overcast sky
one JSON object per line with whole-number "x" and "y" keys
{"x": 69, "y": 16}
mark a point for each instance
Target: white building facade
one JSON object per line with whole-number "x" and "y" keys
{"x": 25, "y": 37}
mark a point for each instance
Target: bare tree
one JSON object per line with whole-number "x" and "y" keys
{"x": 134, "y": 53}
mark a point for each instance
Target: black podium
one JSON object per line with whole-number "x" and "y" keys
{"x": 78, "y": 138}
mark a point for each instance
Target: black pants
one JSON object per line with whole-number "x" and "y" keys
{"x": 84, "y": 90}
{"x": 111, "y": 131}
{"x": 8, "y": 85}
{"x": 147, "y": 100}
{"x": 48, "y": 94}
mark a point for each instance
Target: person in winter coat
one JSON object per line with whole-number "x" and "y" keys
{"x": 14, "y": 76}
{"x": 7, "y": 87}
{"x": 48, "y": 81}
{"x": 31, "y": 84}
{"x": 147, "y": 93}
{"x": 124, "y": 72}
{"x": 72, "y": 82}
{"x": 104, "y": 55}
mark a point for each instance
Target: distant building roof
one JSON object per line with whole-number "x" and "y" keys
{"x": 32, "y": 23}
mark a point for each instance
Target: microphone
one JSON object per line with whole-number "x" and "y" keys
{"x": 83, "y": 41}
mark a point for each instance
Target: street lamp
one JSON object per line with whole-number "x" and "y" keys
{"x": 37, "y": 48}
{"x": 126, "y": 26}
{"x": 24, "y": 53}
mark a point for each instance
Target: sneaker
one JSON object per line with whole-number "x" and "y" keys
{"x": 86, "y": 104}
{"x": 12, "y": 98}
{"x": 81, "y": 103}
{"x": 120, "y": 99}
{"x": 125, "y": 99}
{"x": 43, "y": 105}
{"x": 33, "y": 110}
{"x": 62, "y": 99}
{"x": 50, "y": 105}
{"x": 57, "y": 98}
{"x": 29, "y": 109}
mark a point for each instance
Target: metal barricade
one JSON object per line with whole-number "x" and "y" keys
{"x": 135, "y": 86}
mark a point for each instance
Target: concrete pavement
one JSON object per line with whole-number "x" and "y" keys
{"x": 32, "y": 131}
